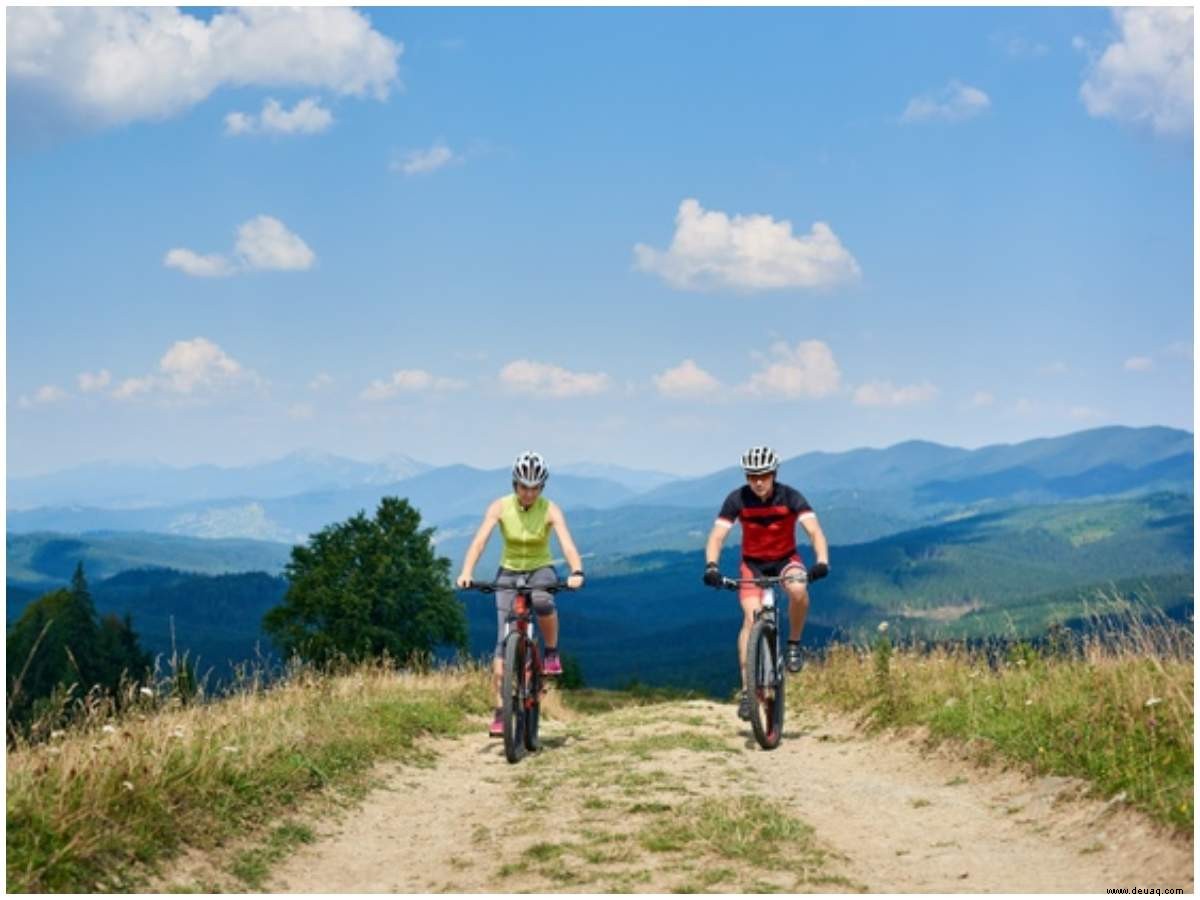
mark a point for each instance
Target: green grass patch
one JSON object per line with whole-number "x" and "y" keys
{"x": 251, "y": 867}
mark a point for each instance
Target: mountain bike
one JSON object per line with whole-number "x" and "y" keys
{"x": 521, "y": 685}
{"x": 765, "y": 675}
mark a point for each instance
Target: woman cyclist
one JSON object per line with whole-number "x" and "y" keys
{"x": 525, "y": 518}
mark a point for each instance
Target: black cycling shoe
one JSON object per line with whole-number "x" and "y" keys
{"x": 795, "y": 660}
{"x": 744, "y": 707}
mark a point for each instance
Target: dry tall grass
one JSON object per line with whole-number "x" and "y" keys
{"x": 99, "y": 804}
{"x": 1115, "y": 707}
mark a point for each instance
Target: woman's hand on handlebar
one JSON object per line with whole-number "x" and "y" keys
{"x": 463, "y": 580}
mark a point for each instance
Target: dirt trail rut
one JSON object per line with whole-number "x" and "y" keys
{"x": 678, "y": 797}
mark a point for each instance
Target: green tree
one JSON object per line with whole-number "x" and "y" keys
{"x": 58, "y": 643}
{"x": 365, "y": 587}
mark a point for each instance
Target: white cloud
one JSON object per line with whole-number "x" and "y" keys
{"x": 981, "y": 399}
{"x": 807, "y": 370}
{"x": 306, "y": 117}
{"x": 526, "y": 376}
{"x": 263, "y": 243}
{"x": 321, "y": 381}
{"x": 409, "y": 381}
{"x": 1085, "y": 413}
{"x": 46, "y": 394}
{"x": 1024, "y": 407}
{"x": 113, "y": 65}
{"x": 953, "y": 103}
{"x": 1139, "y": 364}
{"x": 1146, "y": 76}
{"x": 884, "y": 393}
{"x": 1058, "y": 367}
{"x": 710, "y": 251}
{"x": 686, "y": 380}
{"x": 91, "y": 382}
{"x": 423, "y": 162}
{"x": 190, "y": 263}
{"x": 189, "y": 368}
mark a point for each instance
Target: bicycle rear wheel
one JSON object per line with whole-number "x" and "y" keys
{"x": 533, "y": 698}
{"x": 765, "y": 685}
{"x": 512, "y": 697}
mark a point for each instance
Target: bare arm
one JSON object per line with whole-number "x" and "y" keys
{"x": 817, "y": 536}
{"x": 716, "y": 537}
{"x": 490, "y": 518}
{"x": 559, "y": 522}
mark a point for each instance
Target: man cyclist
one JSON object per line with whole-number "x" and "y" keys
{"x": 768, "y": 511}
{"x": 526, "y": 519}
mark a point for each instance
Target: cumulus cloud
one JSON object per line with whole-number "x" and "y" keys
{"x": 320, "y": 381}
{"x": 46, "y": 394}
{"x": 409, "y": 381}
{"x": 686, "y": 380}
{"x": 526, "y": 376}
{"x": 306, "y": 117}
{"x": 106, "y": 66}
{"x": 188, "y": 369}
{"x": 263, "y": 243}
{"x": 190, "y": 263}
{"x": 1139, "y": 364}
{"x": 423, "y": 162}
{"x": 806, "y": 370}
{"x": 1018, "y": 46}
{"x": 981, "y": 399}
{"x": 90, "y": 382}
{"x": 884, "y": 393}
{"x": 953, "y": 103}
{"x": 710, "y": 250}
{"x": 1145, "y": 77}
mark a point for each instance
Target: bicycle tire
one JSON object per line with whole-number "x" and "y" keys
{"x": 533, "y": 702}
{"x": 765, "y": 686}
{"x": 511, "y": 697}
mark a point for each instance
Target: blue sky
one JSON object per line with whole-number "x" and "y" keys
{"x": 638, "y": 237}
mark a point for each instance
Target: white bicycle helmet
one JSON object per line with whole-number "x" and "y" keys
{"x": 759, "y": 461}
{"x": 530, "y": 469}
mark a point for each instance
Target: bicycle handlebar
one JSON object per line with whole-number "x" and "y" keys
{"x": 490, "y": 587}
{"x": 733, "y": 584}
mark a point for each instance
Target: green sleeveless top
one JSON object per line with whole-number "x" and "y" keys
{"x": 526, "y": 534}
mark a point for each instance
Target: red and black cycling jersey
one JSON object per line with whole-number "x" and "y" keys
{"x": 768, "y": 526}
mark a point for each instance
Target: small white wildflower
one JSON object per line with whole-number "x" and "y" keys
{"x": 1029, "y": 703}
{"x": 177, "y": 733}
{"x": 109, "y": 729}
{"x": 229, "y": 749}
{"x": 1154, "y": 701}
{"x": 146, "y": 692}
{"x": 54, "y": 751}
{"x": 883, "y": 626}
{"x": 128, "y": 785}
{"x": 951, "y": 701}
{"x": 56, "y": 734}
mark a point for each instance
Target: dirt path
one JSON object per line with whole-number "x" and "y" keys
{"x": 677, "y": 797}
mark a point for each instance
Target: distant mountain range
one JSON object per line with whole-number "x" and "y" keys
{"x": 860, "y": 494}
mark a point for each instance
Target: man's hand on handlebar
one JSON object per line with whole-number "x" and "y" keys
{"x": 818, "y": 571}
{"x": 712, "y": 575}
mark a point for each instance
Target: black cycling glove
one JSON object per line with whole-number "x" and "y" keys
{"x": 818, "y": 571}
{"x": 712, "y": 575}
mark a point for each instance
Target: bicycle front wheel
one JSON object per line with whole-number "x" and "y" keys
{"x": 533, "y": 698}
{"x": 765, "y": 684}
{"x": 512, "y": 697}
